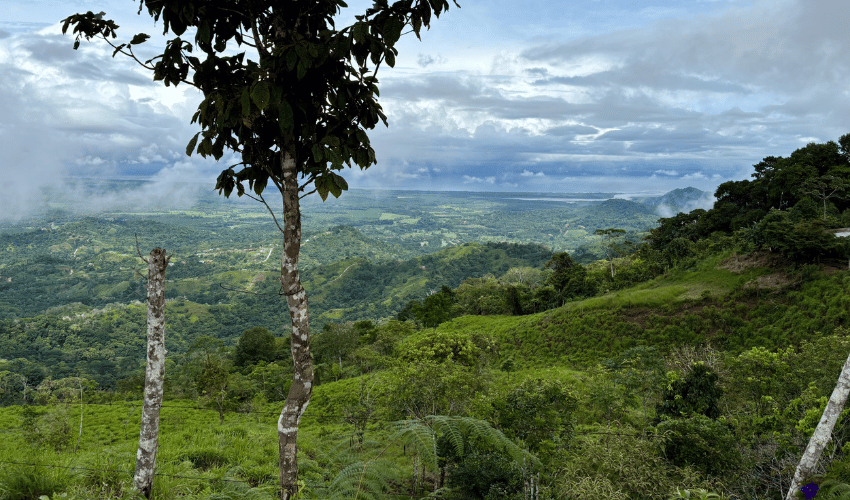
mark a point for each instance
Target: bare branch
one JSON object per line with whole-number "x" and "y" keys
{"x": 140, "y": 251}
{"x": 263, "y": 201}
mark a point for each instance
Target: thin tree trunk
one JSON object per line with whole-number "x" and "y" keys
{"x": 80, "y": 435}
{"x": 154, "y": 373}
{"x": 296, "y": 298}
{"x": 823, "y": 432}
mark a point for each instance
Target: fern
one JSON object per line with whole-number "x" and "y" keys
{"x": 835, "y": 490}
{"x": 368, "y": 480}
{"x": 362, "y": 480}
{"x": 423, "y": 434}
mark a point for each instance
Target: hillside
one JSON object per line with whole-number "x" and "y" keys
{"x": 726, "y": 309}
{"x": 696, "y": 353}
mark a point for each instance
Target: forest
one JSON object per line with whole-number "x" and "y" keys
{"x": 467, "y": 346}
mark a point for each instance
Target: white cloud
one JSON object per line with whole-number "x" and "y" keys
{"x": 470, "y": 179}
{"x": 600, "y": 96}
{"x": 528, "y": 173}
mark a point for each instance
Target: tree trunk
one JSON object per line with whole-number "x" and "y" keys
{"x": 823, "y": 432}
{"x": 296, "y": 298}
{"x": 80, "y": 435}
{"x": 154, "y": 373}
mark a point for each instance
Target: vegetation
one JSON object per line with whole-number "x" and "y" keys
{"x": 698, "y": 370}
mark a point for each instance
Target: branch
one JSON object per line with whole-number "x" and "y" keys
{"x": 139, "y": 250}
{"x": 263, "y": 201}
{"x": 259, "y": 41}
{"x": 142, "y": 64}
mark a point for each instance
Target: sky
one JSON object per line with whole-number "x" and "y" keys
{"x": 623, "y": 96}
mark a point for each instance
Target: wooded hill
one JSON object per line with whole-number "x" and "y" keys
{"x": 699, "y": 359}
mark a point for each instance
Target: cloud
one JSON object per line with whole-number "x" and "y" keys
{"x": 613, "y": 97}
{"x": 469, "y": 179}
{"x": 425, "y": 60}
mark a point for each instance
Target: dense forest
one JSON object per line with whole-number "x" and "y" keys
{"x": 689, "y": 357}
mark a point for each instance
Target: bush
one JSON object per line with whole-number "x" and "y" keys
{"x": 700, "y": 442}
{"x": 697, "y": 393}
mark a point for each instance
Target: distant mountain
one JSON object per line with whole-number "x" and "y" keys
{"x": 679, "y": 200}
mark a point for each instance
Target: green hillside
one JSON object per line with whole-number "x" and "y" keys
{"x": 696, "y": 355}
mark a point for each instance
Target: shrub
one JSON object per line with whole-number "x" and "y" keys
{"x": 700, "y": 442}
{"x": 697, "y": 393}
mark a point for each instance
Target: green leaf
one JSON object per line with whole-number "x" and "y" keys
{"x": 286, "y": 118}
{"x": 302, "y": 70}
{"x": 317, "y": 153}
{"x": 260, "y": 94}
{"x": 392, "y": 31}
{"x": 359, "y": 32}
{"x": 362, "y": 137}
{"x": 322, "y": 188}
{"x": 204, "y": 34}
{"x": 291, "y": 59}
{"x": 339, "y": 182}
{"x": 206, "y": 147}
{"x": 189, "y": 12}
{"x": 390, "y": 57}
{"x": 191, "y": 147}
{"x": 246, "y": 103}
{"x": 139, "y": 38}
{"x": 334, "y": 188}
{"x": 417, "y": 25}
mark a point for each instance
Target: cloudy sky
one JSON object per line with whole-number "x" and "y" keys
{"x": 521, "y": 95}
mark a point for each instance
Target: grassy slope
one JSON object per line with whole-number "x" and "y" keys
{"x": 706, "y": 303}
{"x": 586, "y": 331}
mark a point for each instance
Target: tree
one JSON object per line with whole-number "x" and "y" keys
{"x": 568, "y": 277}
{"x": 611, "y": 248}
{"x": 335, "y": 342}
{"x": 255, "y": 345}
{"x": 297, "y": 111}
{"x": 822, "y": 434}
{"x": 825, "y": 187}
{"x": 213, "y": 382}
{"x": 154, "y": 373}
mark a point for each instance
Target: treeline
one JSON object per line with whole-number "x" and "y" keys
{"x": 792, "y": 206}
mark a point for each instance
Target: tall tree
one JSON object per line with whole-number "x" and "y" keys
{"x": 154, "y": 373}
{"x": 611, "y": 248}
{"x": 297, "y": 111}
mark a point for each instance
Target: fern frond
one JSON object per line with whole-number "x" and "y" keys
{"x": 422, "y": 437}
{"x": 362, "y": 480}
{"x": 835, "y": 490}
{"x": 480, "y": 430}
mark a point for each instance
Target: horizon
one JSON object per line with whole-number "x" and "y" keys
{"x": 604, "y": 96}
